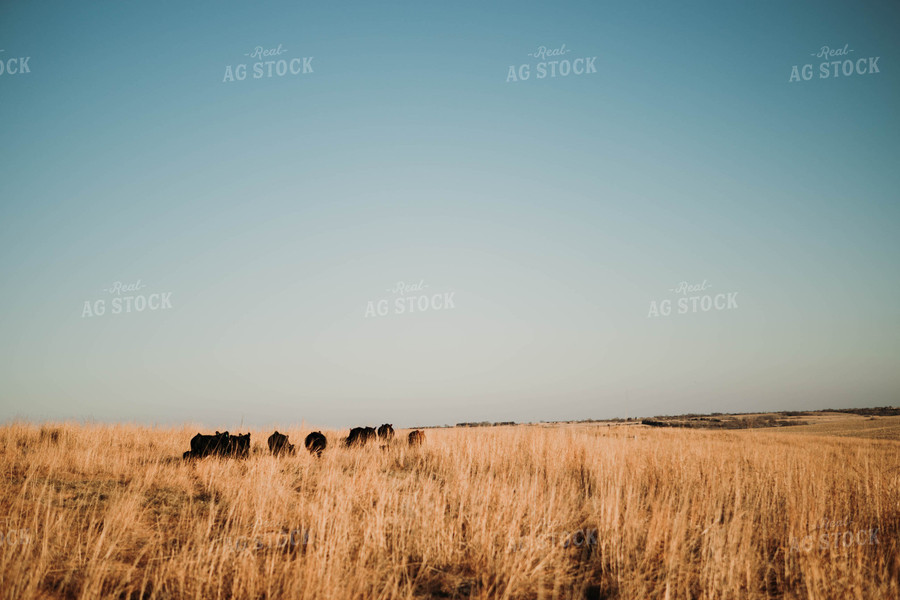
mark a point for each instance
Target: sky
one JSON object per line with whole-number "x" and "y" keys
{"x": 545, "y": 220}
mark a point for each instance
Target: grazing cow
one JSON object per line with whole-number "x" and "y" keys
{"x": 386, "y": 432}
{"x": 315, "y": 443}
{"x": 209, "y": 445}
{"x": 238, "y": 445}
{"x": 278, "y": 444}
{"x": 359, "y": 436}
{"x": 416, "y": 438}
{"x": 220, "y": 444}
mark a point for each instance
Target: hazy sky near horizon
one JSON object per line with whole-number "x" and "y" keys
{"x": 554, "y": 214}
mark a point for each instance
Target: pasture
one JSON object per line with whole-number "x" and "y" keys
{"x": 576, "y": 511}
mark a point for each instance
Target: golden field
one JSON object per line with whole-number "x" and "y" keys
{"x": 576, "y": 511}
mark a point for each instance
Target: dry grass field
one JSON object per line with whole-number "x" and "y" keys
{"x": 591, "y": 511}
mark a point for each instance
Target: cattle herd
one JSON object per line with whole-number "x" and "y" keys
{"x": 225, "y": 444}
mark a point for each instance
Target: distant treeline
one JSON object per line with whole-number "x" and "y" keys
{"x": 878, "y": 411}
{"x": 745, "y": 421}
{"x": 699, "y": 422}
{"x": 714, "y": 420}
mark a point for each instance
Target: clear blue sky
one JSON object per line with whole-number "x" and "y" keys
{"x": 555, "y": 210}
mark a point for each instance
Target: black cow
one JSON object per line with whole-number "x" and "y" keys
{"x": 278, "y": 444}
{"x": 386, "y": 432}
{"x": 238, "y": 445}
{"x": 315, "y": 443}
{"x": 359, "y": 436}
{"x": 208, "y": 445}
{"x": 220, "y": 444}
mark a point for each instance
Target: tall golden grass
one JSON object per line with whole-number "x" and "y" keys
{"x": 505, "y": 512}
